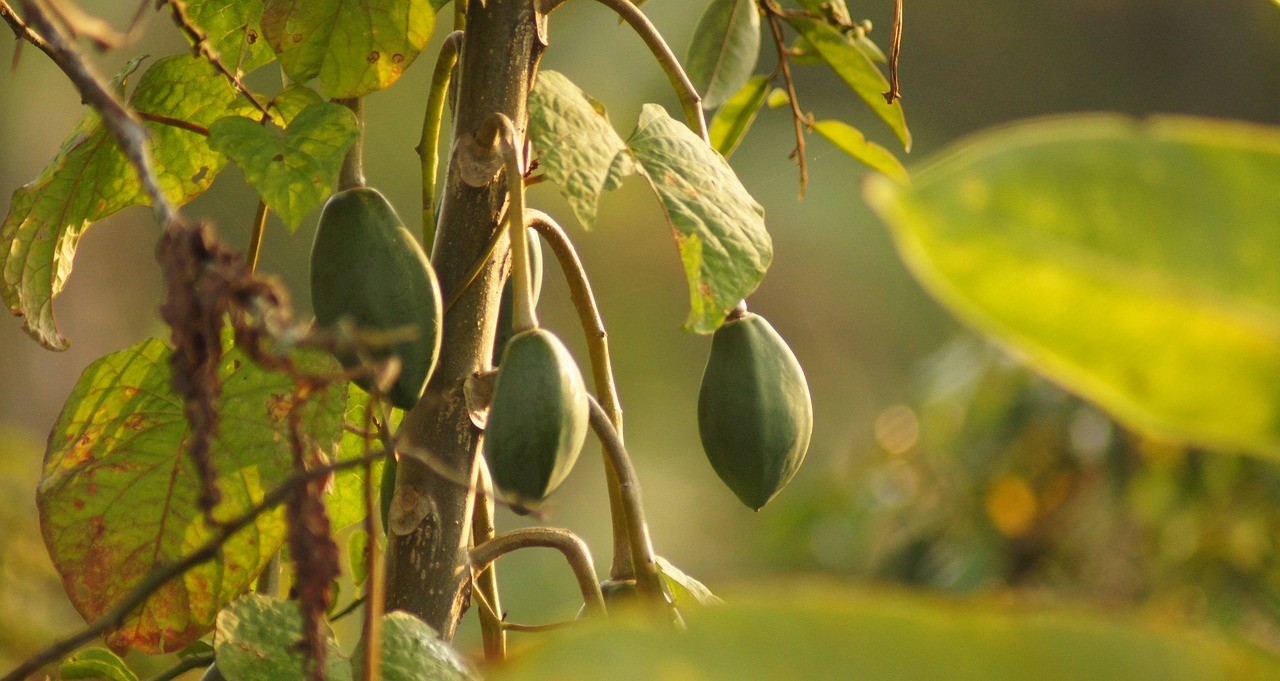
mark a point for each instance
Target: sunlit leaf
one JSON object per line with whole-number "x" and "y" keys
{"x": 292, "y": 168}
{"x": 358, "y": 555}
{"x": 90, "y": 179}
{"x": 857, "y": 71}
{"x": 577, "y": 148}
{"x": 850, "y": 140}
{"x": 718, "y": 227}
{"x": 118, "y": 493}
{"x": 725, "y": 49}
{"x": 1132, "y": 262}
{"x": 257, "y": 640}
{"x": 412, "y": 651}
{"x": 685, "y": 590}
{"x": 234, "y": 31}
{"x": 836, "y": 633}
{"x": 733, "y": 119}
{"x": 96, "y": 663}
{"x": 353, "y": 46}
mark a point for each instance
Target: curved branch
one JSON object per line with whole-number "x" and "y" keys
{"x": 429, "y": 143}
{"x": 690, "y": 101}
{"x": 161, "y": 575}
{"x": 573, "y": 549}
{"x": 601, "y": 371}
{"x": 648, "y": 580}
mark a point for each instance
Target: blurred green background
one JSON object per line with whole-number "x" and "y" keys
{"x": 935, "y": 461}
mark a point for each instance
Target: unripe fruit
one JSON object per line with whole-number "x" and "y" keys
{"x": 506, "y": 309}
{"x": 538, "y": 417}
{"x": 367, "y": 268}
{"x": 755, "y": 416}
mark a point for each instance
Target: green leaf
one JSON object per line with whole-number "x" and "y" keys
{"x": 346, "y": 500}
{"x": 833, "y": 9}
{"x": 257, "y": 640}
{"x": 837, "y": 633}
{"x": 287, "y": 104}
{"x": 358, "y": 555}
{"x": 718, "y": 227}
{"x": 354, "y": 46}
{"x": 234, "y": 31}
{"x": 411, "y": 651}
{"x": 1132, "y": 262}
{"x": 725, "y": 49}
{"x": 736, "y": 116}
{"x": 96, "y": 663}
{"x": 292, "y": 168}
{"x": 850, "y": 140}
{"x": 685, "y": 590}
{"x": 857, "y": 71}
{"x": 90, "y": 179}
{"x": 577, "y": 147}
{"x": 118, "y": 493}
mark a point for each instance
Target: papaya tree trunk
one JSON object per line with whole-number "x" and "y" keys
{"x": 430, "y": 521}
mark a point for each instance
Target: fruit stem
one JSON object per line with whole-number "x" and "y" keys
{"x": 352, "y": 173}
{"x": 429, "y": 143}
{"x": 584, "y": 302}
{"x": 690, "y": 100}
{"x": 573, "y": 549}
{"x": 523, "y": 317}
{"x": 648, "y": 579}
{"x": 486, "y": 580}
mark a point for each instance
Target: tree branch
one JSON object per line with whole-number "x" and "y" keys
{"x": 784, "y": 65}
{"x": 573, "y": 549}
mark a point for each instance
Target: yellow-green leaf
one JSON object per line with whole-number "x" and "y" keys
{"x": 733, "y": 119}
{"x": 1131, "y": 261}
{"x": 850, "y": 140}
{"x": 353, "y": 46}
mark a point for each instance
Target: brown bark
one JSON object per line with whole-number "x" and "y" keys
{"x": 430, "y": 522}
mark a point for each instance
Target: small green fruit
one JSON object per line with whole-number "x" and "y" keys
{"x": 755, "y": 416}
{"x": 506, "y": 310}
{"x": 538, "y": 416}
{"x": 367, "y": 268}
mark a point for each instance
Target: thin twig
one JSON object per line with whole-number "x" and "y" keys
{"x": 429, "y": 142}
{"x": 485, "y": 582}
{"x": 123, "y": 125}
{"x": 690, "y": 101}
{"x": 174, "y": 123}
{"x": 573, "y": 549}
{"x": 375, "y": 585}
{"x": 784, "y": 65}
{"x": 895, "y": 47}
{"x": 539, "y": 628}
{"x": 601, "y": 371}
{"x": 256, "y": 236}
{"x": 162, "y": 574}
{"x": 648, "y": 579}
{"x": 22, "y": 32}
{"x": 183, "y": 666}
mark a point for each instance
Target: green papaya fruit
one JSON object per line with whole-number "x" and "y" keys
{"x": 367, "y": 268}
{"x": 538, "y": 416}
{"x": 755, "y": 415}
{"x": 506, "y": 325}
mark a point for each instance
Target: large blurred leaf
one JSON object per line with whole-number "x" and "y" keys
{"x": 354, "y": 46}
{"x": 856, "y": 69}
{"x": 840, "y": 634}
{"x": 725, "y": 49}
{"x": 96, "y": 663}
{"x": 292, "y": 168}
{"x": 412, "y": 651}
{"x": 1133, "y": 262}
{"x": 257, "y": 640}
{"x": 718, "y": 227}
{"x": 90, "y": 179}
{"x": 118, "y": 493}
{"x": 577, "y": 147}
{"x": 234, "y": 31}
